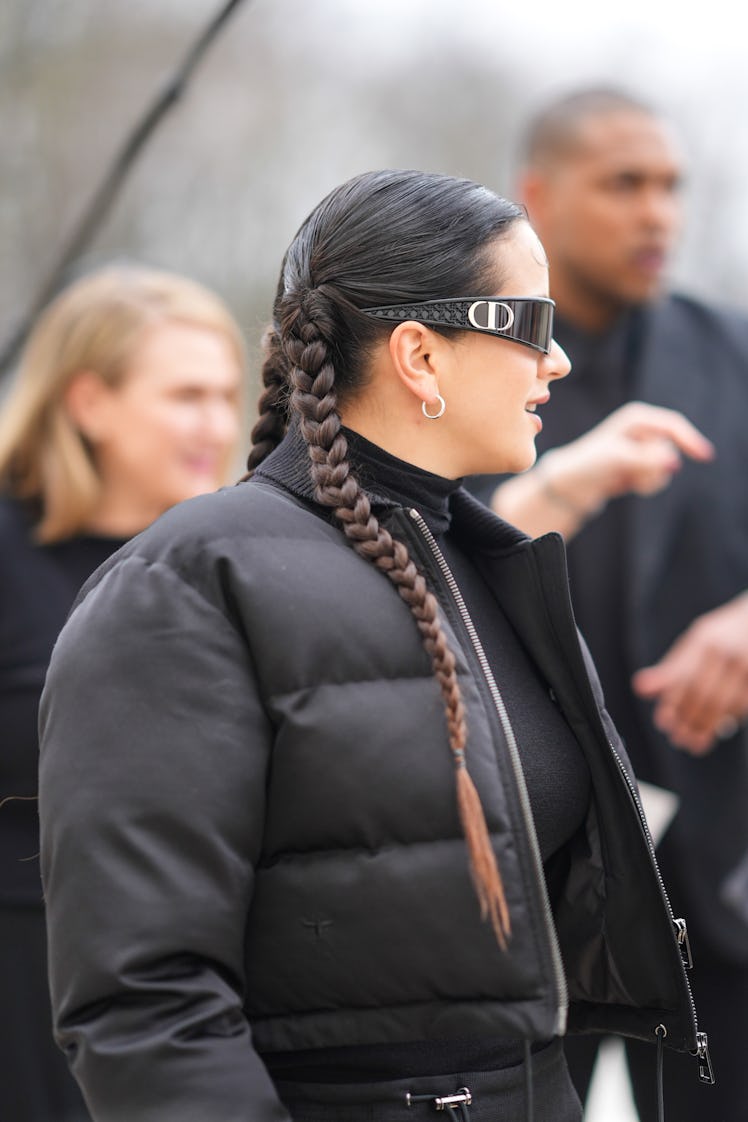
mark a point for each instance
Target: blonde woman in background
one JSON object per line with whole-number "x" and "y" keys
{"x": 125, "y": 403}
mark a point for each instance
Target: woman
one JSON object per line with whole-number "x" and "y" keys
{"x": 125, "y": 403}
{"x": 343, "y": 853}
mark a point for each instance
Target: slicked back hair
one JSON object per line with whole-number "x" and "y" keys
{"x": 381, "y": 238}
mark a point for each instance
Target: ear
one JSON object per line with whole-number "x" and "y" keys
{"x": 89, "y": 404}
{"x": 418, "y": 356}
{"x": 531, "y": 189}
{"x": 537, "y": 190}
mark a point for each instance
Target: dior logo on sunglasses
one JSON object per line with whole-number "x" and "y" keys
{"x": 523, "y": 319}
{"x": 490, "y": 315}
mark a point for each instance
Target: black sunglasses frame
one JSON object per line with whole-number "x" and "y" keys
{"x": 523, "y": 319}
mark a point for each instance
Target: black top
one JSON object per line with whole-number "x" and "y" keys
{"x": 603, "y": 371}
{"x": 38, "y": 584}
{"x": 556, "y": 773}
{"x": 557, "y": 777}
{"x": 602, "y": 379}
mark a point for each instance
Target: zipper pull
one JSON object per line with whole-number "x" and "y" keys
{"x": 706, "y": 1071}
{"x": 684, "y": 943}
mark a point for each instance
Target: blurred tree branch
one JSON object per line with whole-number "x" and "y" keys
{"x": 104, "y": 196}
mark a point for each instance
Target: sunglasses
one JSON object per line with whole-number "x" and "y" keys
{"x": 523, "y": 319}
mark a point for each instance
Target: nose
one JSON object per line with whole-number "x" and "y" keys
{"x": 661, "y": 209}
{"x": 556, "y": 363}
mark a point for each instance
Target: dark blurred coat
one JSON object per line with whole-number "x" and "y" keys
{"x": 38, "y": 584}
{"x": 647, "y": 567}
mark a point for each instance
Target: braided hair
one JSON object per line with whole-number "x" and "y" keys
{"x": 381, "y": 238}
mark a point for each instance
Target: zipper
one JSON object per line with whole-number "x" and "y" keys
{"x": 562, "y": 995}
{"x": 679, "y": 925}
{"x": 684, "y": 943}
{"x": 680, "y": 931}
{"x": 706, "y": 1071}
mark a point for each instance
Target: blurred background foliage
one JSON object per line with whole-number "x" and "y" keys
{"x": 297, "y": 95}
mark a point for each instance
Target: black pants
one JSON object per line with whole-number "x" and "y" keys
{"x": 35, "y": 1083}
{"x": 497, "y": 1096}
{"x": 721, "y": 996}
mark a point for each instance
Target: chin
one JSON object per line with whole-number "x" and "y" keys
{"x": 513, "y": 463}
{"x": 642, "y": 291}
{"x": 522, "y": 461}
{"x": 200, "y": 484}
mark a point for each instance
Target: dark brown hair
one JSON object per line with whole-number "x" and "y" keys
{"x": 382, "y": 238}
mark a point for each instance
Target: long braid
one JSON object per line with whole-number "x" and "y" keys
{"x": 273, "y": 406}
{"x": 307, "y": 332}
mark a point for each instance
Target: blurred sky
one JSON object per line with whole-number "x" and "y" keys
{"x": 685, "y": 27}
{"x": 669, "y": 31}
{"x": 677, "y": 47}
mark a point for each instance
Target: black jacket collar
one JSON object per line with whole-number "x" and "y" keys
{"x": 474, "y": 525}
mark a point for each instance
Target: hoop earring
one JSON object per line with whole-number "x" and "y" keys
{"x": 434, "y": 416}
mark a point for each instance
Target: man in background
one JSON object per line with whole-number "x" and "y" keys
{"x": 658, "y": 582}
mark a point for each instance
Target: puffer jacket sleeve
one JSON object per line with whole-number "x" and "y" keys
{"x": 154, "y": 756}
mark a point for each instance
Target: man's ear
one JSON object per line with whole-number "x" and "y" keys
{"x": 88, "y": 402}
{"x": 418, "y": 355}
{"x": 531, "y": 192}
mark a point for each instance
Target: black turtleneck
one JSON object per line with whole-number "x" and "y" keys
{"x": 556, "y": 773}
{"x": 557, "y": 777}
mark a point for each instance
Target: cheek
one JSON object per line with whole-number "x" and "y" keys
{"x": 600, "y": 220}
{"x": 170, "y": 420}
{"x": 498, "y": 420}
{"x": 151, "y": 433}
{"x": 493, "y": 389}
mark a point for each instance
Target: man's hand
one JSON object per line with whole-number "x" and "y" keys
{"x": 700, "y": 686}
{"x": 637, "y": 449}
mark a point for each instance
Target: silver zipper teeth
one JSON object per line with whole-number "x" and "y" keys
{"x": 655, "y": 866}
{"x": 558, "y": 970}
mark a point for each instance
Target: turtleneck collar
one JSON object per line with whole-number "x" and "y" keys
{"x": 288, "y": 467}
{"x": 381, "y": 473}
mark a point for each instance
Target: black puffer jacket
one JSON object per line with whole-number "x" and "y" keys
{"x": 249, "y": 834}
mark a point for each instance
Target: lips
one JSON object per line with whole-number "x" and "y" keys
{"x": 650, "y": 259}
{"x": 531, "y": 405}
{"x": 202, "y": 464}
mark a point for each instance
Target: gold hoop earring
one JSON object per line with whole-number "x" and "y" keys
{"x": 434, "y": 416}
